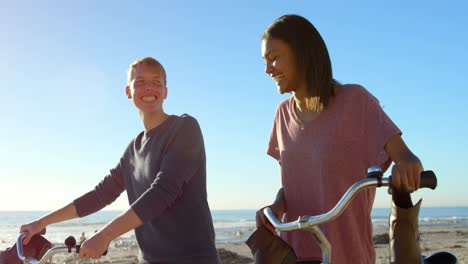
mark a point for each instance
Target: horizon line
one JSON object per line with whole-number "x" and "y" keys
{"x": 237, "y": 209}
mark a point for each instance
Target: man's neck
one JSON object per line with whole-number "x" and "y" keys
{"x": 152, "y": 120}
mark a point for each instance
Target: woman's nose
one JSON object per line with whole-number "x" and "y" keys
{"x": 268, "y": 68}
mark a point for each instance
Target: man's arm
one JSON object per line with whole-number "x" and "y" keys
{"x": 103, "y": 194}
{"x": 65, "y": 213}
{"x": 182, "y": 160}
{"x": 99, "y": 242}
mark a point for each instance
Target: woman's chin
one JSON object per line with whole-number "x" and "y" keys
{"x": 283, "y": 90}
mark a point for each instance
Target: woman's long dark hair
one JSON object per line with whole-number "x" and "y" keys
{"x": 311, "y": 53}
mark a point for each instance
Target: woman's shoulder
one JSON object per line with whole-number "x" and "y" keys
{"x": 354, "y": 91}
{"x": 285, "y": 104}
{"x": 352, "y": 88}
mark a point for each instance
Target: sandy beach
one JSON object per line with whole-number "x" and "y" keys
{"x": 433, "y": 239}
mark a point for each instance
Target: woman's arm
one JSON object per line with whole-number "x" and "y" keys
{"x": 407, "y": 170}
{"x": 278, "y": 207}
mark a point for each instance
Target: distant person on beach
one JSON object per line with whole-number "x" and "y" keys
{"x": 82, "y": 238}
{"x": 324, "y": 138}
{"x": 163, "y": 171}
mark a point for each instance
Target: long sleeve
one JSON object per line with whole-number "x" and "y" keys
{"x": 103, "y": 194}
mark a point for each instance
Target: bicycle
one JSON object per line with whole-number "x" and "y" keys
{"x": 70, "y": 245}
{"x": 374, "y": 179}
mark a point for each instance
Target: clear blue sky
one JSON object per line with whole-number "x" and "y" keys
{"x": 65, "y": 119}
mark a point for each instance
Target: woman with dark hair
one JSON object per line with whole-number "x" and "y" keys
{"x": 324, "y": 137}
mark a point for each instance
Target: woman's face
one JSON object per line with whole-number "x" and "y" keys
{"x": 280, "y": 65}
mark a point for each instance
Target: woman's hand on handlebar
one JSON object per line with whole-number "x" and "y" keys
{"x": 95, "y": 246}
{"x": 278, "y": 210}
{"x": 406, "y": 173}
{"x": 31, "y": 229}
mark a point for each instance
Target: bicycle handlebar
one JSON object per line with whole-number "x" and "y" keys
{"x": 428, "y": 180}
{"x": 58, "y": 249}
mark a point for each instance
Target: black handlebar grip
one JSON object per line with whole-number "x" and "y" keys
{"x": 428, "y": 180}
{"x": 70, "y": 241}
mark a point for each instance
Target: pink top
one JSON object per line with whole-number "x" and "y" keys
{"x": 321, "y": 159}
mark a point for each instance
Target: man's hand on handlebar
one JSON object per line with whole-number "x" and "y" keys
{"x": 95, "y": 246}
{"x": 31, "y": 229}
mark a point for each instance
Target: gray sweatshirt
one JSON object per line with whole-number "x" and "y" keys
{"x": 163, "y": 171}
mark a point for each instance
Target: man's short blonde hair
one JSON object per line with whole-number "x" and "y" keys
{"x": 147, "y": 61}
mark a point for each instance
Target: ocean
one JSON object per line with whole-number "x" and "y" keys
{"x": 230, "y": 225}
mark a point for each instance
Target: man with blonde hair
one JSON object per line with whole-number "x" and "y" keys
{"x": 163, "y": 171}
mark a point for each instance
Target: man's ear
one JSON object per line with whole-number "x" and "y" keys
{"x": 128, "y": 92}
{"x": 167, "y": 91}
